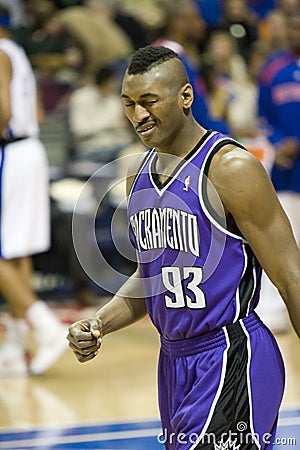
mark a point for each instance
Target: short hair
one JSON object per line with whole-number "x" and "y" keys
{"x": 145, "y": 58}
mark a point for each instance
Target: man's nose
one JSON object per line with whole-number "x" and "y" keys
{"x": 140, "y": 113}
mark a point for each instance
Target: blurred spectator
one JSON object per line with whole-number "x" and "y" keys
{"x": 211, "y": 11}
{"x": 251, "y": 136}
{"x": 183, "y": 28}
{"x": 96, "y": 41}
{"x": 279, "y": 109}
{"x": 46, "y": 52}
{"x": 273, "y": 30}
{"x": 240, "y": 22}
{"x": 222, "y": 50}
{"x": 47, "y": 55}
{"x": 232, "y": 88}
{"x": 96, "y": 118}
{"x": 131, "y": 25}
{"x": 258, "y": 53}
{"x": 261, "y": 7}
{"x": 225, "y": 71}
{"x": 288, "y": 7}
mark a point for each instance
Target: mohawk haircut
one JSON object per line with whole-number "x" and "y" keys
{"x": 145, "y": 58}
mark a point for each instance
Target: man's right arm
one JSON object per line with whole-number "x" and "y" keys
{"x": 126, "y": 307}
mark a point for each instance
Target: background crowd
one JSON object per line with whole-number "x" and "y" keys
{"x": 243, "y": 60}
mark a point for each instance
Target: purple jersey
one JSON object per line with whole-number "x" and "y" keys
{"x": 199, "y": 273}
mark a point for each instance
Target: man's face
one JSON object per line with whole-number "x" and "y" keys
{"x": 152, "y": 103}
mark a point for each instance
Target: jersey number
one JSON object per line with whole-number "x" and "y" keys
{"x": 193, "y": 297}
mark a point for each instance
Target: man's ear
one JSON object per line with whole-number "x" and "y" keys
{"x": 187, "y": 96}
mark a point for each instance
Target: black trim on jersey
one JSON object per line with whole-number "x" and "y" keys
{"x": 228, "y": 223}
{"x": 232, "y": 407}
{"x": 154, "y": 173}
{"x": 247, "y": 284}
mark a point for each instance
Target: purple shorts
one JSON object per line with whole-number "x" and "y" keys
{"x": 221, "y": 390}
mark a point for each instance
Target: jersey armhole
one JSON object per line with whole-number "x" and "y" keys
{"x": 226, "y": 223}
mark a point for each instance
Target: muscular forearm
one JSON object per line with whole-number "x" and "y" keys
{"x": 125, "y": 308}
{"x": 291, "y": 296}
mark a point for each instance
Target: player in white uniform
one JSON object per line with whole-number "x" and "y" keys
{"x": 24, "y": 214}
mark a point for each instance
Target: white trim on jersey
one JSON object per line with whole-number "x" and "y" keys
{"x": 254, "y": 435}
{"x": 254, "y": 288}
{"x": 218, "y": 393}
{"x": 201, "y": 199}
{"x": 179, "y": 170}
{"x": 237, "y": 295}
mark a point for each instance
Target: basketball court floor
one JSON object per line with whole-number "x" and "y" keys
{"x": 110, "y": 403}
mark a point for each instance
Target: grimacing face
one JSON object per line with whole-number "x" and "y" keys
{"x": 153, "y": 104}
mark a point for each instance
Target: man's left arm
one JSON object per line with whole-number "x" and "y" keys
{"x": 247, "y": 193}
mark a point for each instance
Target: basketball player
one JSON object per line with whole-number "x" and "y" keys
{"x": 24, "y": 213}
{"x": 204, "y": 218}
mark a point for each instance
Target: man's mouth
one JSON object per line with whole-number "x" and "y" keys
{"x": 145, "y": 129}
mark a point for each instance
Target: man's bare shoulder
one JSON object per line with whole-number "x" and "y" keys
{"x": 240, "y": 179}
{"x": 232, "y": 165}
{"x": 134, "y": 163}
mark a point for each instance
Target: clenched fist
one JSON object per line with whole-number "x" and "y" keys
{"x": 85, "y": 338}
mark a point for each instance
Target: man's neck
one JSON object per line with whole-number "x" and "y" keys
{"x": 184, "y": 143}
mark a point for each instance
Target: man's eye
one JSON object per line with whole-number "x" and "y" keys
{"x": 128, "y": 104}
{"x": 150, "y": 102}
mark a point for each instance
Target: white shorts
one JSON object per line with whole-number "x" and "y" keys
{"x": 24, "y": 199}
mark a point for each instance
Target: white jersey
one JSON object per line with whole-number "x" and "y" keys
{"x": 24, "y": 178}
{"x": 22, "y": 91}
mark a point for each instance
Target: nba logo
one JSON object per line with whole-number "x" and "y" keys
{"x": 187, "y": 183}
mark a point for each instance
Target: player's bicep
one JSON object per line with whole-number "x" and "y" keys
{"x": 273, "y": 243}
{"x": 248, "y": 195}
